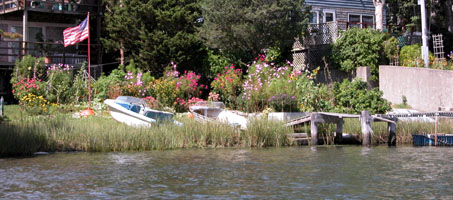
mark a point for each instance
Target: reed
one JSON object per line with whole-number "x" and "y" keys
{"x": 25, "y": 135}
{"x": 101, "y": 134}
{"x": 404, "y": 129}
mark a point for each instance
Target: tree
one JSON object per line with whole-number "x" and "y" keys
{"x": 449, "y": 10}
{"x": 379, "y": 9}
{"x": 401, "y": 12}
{"x": 154, "y": 32}
{"x": 243, "y": 28}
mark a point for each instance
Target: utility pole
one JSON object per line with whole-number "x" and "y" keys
{"x": 425, "y": 51}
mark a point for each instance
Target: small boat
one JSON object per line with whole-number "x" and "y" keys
{"x": 133, "y": 112}
{"x": 207, "y": 111}
{"x": 430, "y": 139}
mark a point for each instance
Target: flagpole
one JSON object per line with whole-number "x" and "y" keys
{"x": 88, "y": 112}
{"x": 89, "y": 65}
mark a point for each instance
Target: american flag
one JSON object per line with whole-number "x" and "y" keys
{"x": 76, "y": 34}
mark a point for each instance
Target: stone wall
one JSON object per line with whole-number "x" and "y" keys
{"x": 425, "y": 89}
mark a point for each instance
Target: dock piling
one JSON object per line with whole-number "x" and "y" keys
{"x": 314, "y": 130}
{"x": 391, "y": 127}
{"x": 339, "y": 132}
{"x": 365, "y": 119}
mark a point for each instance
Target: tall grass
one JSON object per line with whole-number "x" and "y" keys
{"x": 404, "y": 129}
{"x": 24, "y": 135}
{"x": 98, "y": 134}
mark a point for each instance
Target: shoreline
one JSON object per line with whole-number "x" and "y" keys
{"x": 103, "y": 134}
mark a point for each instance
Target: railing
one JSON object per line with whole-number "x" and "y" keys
{"x": 10, "y": 5}
{"x": 345, "y": 25}
{"x": 10, "y": 51}
{"x": 52, "y": 6}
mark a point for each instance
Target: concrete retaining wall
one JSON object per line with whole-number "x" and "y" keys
{"x": 425, "y": 89}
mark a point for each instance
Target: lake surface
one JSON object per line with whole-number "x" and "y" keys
{"x": 325, "y": 172}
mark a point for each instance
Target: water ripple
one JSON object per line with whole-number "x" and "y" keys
{"x": 341, "y": 172}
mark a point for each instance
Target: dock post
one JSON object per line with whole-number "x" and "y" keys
{"x": 366, "y": 128}
{"x": 314, "y": 130}
{"x": 436, "y": 125}
{"x": 1, "y": 106}
{"x": 339, "y": 133}
{"x": 392, "y": 134}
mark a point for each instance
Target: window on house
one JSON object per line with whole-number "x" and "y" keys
{"x": 361, "y": 21}
{"x": 354, "y": 21}
{"x": 314, "y": 17}
{"x": 368, "y": 21}
{"x": 329, "y": 16}
{"x": 33, "y": 32}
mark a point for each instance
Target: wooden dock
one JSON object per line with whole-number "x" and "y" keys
{"x": 317, "y": 118}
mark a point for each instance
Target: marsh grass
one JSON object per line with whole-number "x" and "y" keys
{"x": 103, "y": 134}
{"x": 21, "y": 134}
{"x": 404, "y": 129}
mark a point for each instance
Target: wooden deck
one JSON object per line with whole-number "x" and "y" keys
{"x": 49, "y": 6}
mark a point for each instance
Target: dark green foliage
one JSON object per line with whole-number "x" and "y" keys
{"x": 155, "y": 32}
{"x": 28, "y": 67}
{"x": 390, "y": 47}
{"x": 402, "y": 10}
{"x": 353, "y": 97}
{"x": 243, "y": 28}
{"x": 410, "y": 53}
{"x": 103, "y": 84}
{"x": 357, "y": 48}
{"x": 217, "y": 63}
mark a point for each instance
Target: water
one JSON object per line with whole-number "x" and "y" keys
{"x": 341, "y": 172}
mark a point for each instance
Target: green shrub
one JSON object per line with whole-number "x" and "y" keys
{"x": 390, "y": 47}
{"x": 254, "y": 98}
{"x": 359, "y": 47}
{"x": 79, "y": 87}
{"x": 295, "y": 91}
{"x": 145, "y": 77}
{"x": 34, "y": 105}
{"x": 411, "y": 56}
{"x": 28, "y": 67}
{"x": 353, "y": 97}
{"x": 216, "y": 63}
{"x": 282, "y": 89}
{"x": 59, "y": 83}
{"x": 228, "y": 84}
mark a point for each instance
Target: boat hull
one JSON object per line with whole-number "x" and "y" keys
{"x": 218, "y": 115}
{"x": 128, "y": 117}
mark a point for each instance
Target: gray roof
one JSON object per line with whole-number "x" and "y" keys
{"x": 356, "y": 4}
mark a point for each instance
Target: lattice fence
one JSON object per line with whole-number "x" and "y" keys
{"x": 438, "y": 44}
{"x": 308, "y": 51}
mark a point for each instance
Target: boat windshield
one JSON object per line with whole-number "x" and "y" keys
{"x": 210, "y": 104}
{"x": 131, "y": 100}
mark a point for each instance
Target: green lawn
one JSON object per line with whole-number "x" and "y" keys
{"x": 13, "y": 112}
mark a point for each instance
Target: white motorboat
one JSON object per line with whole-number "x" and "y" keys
{"x": 133, "y": 112}
{"x": 206, "y": 111}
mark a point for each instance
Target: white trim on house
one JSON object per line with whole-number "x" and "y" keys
{"x": 334, "y": 13}
{"x": 361, "y": 18}
{"x": 315, "y": 12}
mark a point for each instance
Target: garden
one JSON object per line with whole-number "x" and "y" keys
{"x": 263, "y": 86}
{"x": 49, "y": 95}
